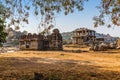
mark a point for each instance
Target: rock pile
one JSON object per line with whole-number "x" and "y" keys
{"x": 103, "y": 47}
{"x": 6, "y": 49}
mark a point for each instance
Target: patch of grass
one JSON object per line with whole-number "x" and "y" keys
{"x": 60, "y": 65}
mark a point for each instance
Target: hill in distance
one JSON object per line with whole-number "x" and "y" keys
{"x": 67, "y": 37}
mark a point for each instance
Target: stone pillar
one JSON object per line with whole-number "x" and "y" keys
{"x": 82, "y": 32}
{"x": 73, "y": 40}
{"x": 94, "y": 33}
{"x": 86, "y": 33}
{"x": 20, "y": 44}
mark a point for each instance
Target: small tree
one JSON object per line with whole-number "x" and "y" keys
{"x": 3, "y": 34}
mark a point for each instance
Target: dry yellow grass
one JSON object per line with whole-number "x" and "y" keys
{"x": 87, "y": 64}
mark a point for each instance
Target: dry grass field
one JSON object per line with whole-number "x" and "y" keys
{"x": 61, "y": 65}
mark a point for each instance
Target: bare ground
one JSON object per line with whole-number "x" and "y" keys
{"x": 61, "y": 65}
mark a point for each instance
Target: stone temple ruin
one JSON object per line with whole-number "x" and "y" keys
{"x": 41, "y": 42}
{"x": 83, "y": 36}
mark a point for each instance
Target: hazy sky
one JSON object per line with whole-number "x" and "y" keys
{"x": 75, "y": 20}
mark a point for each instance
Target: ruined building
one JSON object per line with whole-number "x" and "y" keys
{"x": 83, "y": 36}
{"x": 41, "y": 42}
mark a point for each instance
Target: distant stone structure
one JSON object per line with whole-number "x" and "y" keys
{"x": 41, "y": 42}
{"x": 83, "y": 36}
{"x": 99, "y": 40}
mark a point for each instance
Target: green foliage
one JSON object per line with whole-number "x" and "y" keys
{"x": 2, "y": 33}
{"x": 2, "y": 26}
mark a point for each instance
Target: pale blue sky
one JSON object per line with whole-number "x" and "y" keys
{"x": 75, "y": 20}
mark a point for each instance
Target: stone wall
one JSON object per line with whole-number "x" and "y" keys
{"x": 41, "y": 42}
